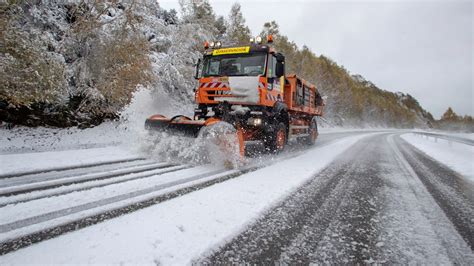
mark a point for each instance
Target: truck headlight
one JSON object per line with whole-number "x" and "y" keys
{"x": 255, "y": 121}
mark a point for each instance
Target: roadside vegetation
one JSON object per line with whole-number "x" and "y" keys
{"x": 452, "y": 121}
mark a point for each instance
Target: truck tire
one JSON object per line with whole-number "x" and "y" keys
{"x": 313, "y": 133}
{"x": 277, "y": 142}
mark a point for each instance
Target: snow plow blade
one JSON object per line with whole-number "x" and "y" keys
{"x": 180, "y": 125}
{"x": 222, "y": 134}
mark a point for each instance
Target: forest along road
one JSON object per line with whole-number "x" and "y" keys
{"x": 382, "y": 201}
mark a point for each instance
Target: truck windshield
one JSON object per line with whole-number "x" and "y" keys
{"x": 234, "y": 65}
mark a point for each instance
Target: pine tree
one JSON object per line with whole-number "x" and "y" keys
{"x": 237, "y": 31}
{"x": 199, "y": 12}
{"x": 220, "y": 27}
{"x": 270, "y": 28}
{"x": 170, "y": 17}
{"x": 449, "y": 115}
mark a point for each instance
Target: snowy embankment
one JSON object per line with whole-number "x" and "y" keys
{"x": 25, "y": 149}
{"x": 463, "y": 135}
{"x": 24, "y": 139}
{"x": 128, "y": 131}
{"x": 332, "y": 130}
{"x": 457, "y": 156}
{"x": 181, "y": 229}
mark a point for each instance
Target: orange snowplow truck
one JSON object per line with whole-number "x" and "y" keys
{"x": 246, "y": 87}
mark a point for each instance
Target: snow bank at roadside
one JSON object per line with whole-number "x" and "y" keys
{"x": 128, "y": 131}
{"x": 330, "y": 130}
{"x": 462, "y": 135}
{"x": 176, "y": 231}
{"x": 24, "y": 139}
{"x": 457, "y": 156}
{"x": 469, "y": 136}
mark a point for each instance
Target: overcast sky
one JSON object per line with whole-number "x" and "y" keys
{"x": 423, "y": 48}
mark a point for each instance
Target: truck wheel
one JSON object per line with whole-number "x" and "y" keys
{"x": 313, "y": 133}
{"x": 278, "y": 140}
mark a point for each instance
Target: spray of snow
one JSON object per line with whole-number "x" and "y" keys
{"x": 145, "y": 103}
{"x": 216, "y": 144}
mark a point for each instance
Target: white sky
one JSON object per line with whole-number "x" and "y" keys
{"x": 424, "y": 48}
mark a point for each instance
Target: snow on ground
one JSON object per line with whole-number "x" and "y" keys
{"x": 128, "y": 131}
{"x": 462, "y": 135}
{"x": 91, "y": 202}
{"x": 176, "y": 231}
{"x": 37, "y": 161}
{"x": 457, "y": 156}
{"x": 24, "y": 139}
{"x": 414, "y": 228}
{"x": 469, "y": 136}
{"x": 113, "y": 140}
{"x": 330, "y": 130}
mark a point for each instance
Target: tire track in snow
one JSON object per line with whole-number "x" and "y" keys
{"x": 34, "y": 178}
{"x": 54, "y": 231}
{"x": 335, "y": 198}
{"x": 26, "y": 240}
{"x": 452, "y": 192}
{"x": 360, "y": 209}
{"x": 64, "y": 168}
{"x": 94, "y": 184}
{"x": 102, "y": 202}
{"x": 25, "y": 188}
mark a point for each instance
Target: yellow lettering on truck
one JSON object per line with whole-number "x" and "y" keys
{"x": 233, "y": 50}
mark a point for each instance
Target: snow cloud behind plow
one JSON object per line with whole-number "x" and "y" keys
{"x": 216, "y": 144}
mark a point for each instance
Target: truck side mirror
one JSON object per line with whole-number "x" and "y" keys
{"x": 280, "y": 69}
{"x": 280, "y": 65}
{"x": 196, "y": 70}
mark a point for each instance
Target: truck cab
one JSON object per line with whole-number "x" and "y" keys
{"x": 246, "y": 87}
{"x": 248, "y": 76}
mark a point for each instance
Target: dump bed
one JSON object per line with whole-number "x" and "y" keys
{"x": 302, "y": 97}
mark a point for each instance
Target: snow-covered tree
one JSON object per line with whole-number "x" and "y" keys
{"x": 237, "y": 31}
{"x": 220, "y": 26}
{"x": 29, "y": 73}
{"x": 270, "y": 28}
{"x": 199, "y": 12}
{"x": 170, "y": 17}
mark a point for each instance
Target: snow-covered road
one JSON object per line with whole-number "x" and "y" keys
{"x": 379, "y": 202}
{"x": 354, "y": 197}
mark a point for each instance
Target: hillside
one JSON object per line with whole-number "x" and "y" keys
{"x": 78, "y": 64}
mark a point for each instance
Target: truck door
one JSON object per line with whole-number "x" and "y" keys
{"x": 273, "y": 82}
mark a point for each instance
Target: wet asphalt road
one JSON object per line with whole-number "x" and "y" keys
{"x": 382, "y": 201}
